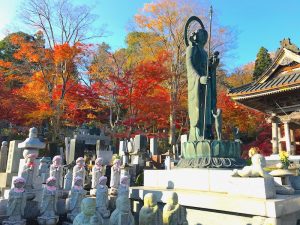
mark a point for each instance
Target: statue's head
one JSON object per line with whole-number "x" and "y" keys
{"x": 57, "y": 160}
{"x": 80, "y": 161}
{"x": 99, "y": 161}
{"x": 258, "y": 160}
{"x": 30, "y": 157}
{"x": 150, "y": 200}
{"x": 88, "y": 206}
{"x": 78, "y": 181}
{"x": 19, "y": 182}
{"x": 123, "y": 204}
{"x": 117, "y": 162}
{"x": 199, "y": 37}
{"x": 103, "y": 180}
{"x": 51, "y": 181}
{"x": 124, "y": 180}
{"x": 173, "y": 199}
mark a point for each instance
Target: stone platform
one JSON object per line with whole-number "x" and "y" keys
{"x": 211, "y": 208}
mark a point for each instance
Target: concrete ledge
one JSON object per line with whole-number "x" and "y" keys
{"x": 281, "y": 206}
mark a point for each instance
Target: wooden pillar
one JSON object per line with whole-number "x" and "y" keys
{"x": 275, "y": 141}
{"x": 279, "y": 139}
{"x": 287, "y": 137}
{"x": 293, "y": 142}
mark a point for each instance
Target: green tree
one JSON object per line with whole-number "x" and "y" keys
{"x": 262, "y": 62}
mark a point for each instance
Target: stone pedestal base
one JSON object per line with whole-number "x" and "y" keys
{"x": 47, "y": 220}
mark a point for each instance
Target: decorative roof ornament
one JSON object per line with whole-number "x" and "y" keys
{"x": 286, "y": 43}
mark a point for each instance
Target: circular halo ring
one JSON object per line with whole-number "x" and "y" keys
{"x": 186, "y": 27}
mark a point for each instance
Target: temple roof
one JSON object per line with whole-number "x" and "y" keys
{"x": 281, "y": 76}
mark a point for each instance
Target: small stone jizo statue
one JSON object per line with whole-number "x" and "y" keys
{"x": 48, "y": 211}
{"x": 56, "y": 170}
{"x": 87, "y": 216}
{"x": 122, "y": 214}
{"x": 123, "y": 187}
{"x": 79, "y": 169}
{"x": 115, "y": 175}
{"x": 16, "y": 203}
{"x": 150, "y": 213}
{"x": 102, "y": 200}
{"x": 173, "y": 212}
{"x": 76, "y": 195}
{"x": 97, "y": 172}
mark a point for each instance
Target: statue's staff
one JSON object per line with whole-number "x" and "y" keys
{"x": 207, "y": 70}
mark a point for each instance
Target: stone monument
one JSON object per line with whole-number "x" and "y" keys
{"x": 150, "y": 213}
{"x": 44, "y": 169}
{"x": 16, "y": 203}
{"x": 3, "y": 156}
{"x": 87, "y": 216}
{"x": 115, "y": 175}
{"x": 123, "y": 189}
{"x": 97, "y": 172}
{"x": 202, "y": 149}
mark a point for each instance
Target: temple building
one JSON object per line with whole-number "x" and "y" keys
{"x": 277, "y": 93}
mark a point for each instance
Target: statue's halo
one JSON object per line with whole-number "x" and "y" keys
{"x": 189, "y": 21}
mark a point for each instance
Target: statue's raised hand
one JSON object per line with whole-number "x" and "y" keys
{"x": 203, "y": 80}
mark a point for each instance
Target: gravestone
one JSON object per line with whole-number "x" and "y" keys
{"x": 183, "y": 140}
{"x": 100, "y": 146}
{"x": 140, "y": 143}
{"x": 14, "y": 156}
{"x": 76, "y": 150}
{"x": 3, "y": 156}
{"x": 153, "y": 146}
{"x": 67, "y": 149}
{"x": 122, "y": 148}
{"x": 106, "y": 156}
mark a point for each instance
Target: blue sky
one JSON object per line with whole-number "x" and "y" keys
{"x": 258, "y": 23}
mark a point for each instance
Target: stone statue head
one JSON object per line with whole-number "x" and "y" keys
{"x": 51, "y": 181}
{"x": 30, "y": 157}
{"x": 88, "y": 206}
{"x": 258, "y": 160}
{"x": 123, "y": 204}
{"x": 124, "y": 180}
{"x": 150, "y": 200}
{"x": 173, "y": 199}
{"x": 19, "y": 182}
{"x": 117, "y": 162}
{"x": 102, "y": 180}
{"x": 57, "y": 160}
{"x": 99, "y": 161}
{"x": 199, "y": 37}
{"x": 4, "y": 143}
{"x": 78, "y": 181}
{"x": 80, "y": 161}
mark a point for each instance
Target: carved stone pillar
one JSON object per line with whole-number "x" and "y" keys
{"x": 275, "y": 141}
{"x": 287, "y": 137}
{"x": 279, "y": 139}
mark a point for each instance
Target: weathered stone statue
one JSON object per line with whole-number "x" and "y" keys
{"x": 44, "y": 169}
{"x": 88, "y": 213}
{"x": 28, "y": 171}
{"x": 79, "y": 169}
{"x": 102, "y": 200}
{"x": 115, "y": 175}
{"x": 150, "y": 213}
{"x": 56, "y": 170}
{"x": 76, "y": 195}
{"x": 3, "y": 156}
{"x": 255, "y": 170}
{"x": 122, "y": 214}
{"x": 97, "y": 172}
{"x": 48, "y": 209}
{"x": 173, "y": 213}
{"x": 123, "y": 187}
{"x": 16, "y": 203}
{"x": 218, "y": 123}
